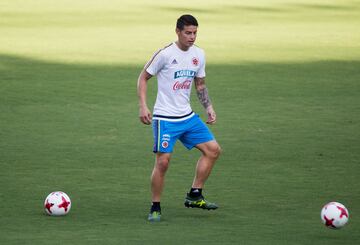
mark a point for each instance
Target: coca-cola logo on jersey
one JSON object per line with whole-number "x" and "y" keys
{"x": 182, "y": 85}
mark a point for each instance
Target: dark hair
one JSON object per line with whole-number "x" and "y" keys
{"x": 186, "y": 20}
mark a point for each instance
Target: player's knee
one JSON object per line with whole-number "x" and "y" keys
{"x": 214, "y": 151}
{"x": 162, "y": 164}
{"x": 217, "y": 151}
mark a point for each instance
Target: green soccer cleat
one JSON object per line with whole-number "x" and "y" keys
{"x": 154, "y": 216}
{"x": 199, "y": 202}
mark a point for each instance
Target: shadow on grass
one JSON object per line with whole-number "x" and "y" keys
{"x": 75, "y": 126}
{"x": 103, "y": 97}
{"x": 27, "y": 81}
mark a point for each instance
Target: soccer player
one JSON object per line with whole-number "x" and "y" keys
{"x": 177, "y": 66}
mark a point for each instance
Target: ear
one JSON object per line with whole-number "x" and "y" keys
{"x": 177, "y": 30}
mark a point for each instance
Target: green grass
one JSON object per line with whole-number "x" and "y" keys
{"x": 283, "y": 76}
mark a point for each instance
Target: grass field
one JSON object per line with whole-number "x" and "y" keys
{"x": 284, "y": 76}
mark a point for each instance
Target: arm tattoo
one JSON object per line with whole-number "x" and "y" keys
{"x": 202, "y": 92}
{"x": 203, "y": 96}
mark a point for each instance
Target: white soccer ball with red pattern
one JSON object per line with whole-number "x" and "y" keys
{"x": 334, "y": 215}
{"x": 57, "y": 203}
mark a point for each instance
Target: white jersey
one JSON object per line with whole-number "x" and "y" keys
{"x": 175, "y": 70}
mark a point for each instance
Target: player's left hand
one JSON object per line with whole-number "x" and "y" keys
{"x": 211, "y": 115}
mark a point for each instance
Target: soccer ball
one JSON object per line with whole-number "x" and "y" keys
{"x": 334, "y": 215}
{"x": 57, "y": 203}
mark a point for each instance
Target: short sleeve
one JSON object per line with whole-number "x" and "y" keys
{"x": 201, "y": 72}
{"x": 155, "y": 64}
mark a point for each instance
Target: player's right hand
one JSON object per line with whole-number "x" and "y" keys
{"x": 145, "y": 115}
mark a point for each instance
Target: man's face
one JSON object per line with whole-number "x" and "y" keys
{"x": 187, "y": 36}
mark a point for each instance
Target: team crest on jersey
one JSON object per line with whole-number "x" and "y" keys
{"x": 195, "y": 61}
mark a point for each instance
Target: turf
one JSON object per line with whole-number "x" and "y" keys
{"x": 283, "y": 76}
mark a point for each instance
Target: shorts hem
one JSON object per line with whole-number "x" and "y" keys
{"x": 162, "y": 152}
{"x": 189, "y": 147}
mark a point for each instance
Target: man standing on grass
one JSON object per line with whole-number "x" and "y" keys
{"x": 176, "y": 67}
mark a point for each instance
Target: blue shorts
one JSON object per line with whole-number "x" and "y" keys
{"x": 190, "y": 132}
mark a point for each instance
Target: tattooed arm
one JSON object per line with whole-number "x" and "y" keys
{"x": 203, "y": 95}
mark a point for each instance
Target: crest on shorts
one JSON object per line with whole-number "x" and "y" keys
{"x": 195, "y": 61}
{"x": 165, "y": 144}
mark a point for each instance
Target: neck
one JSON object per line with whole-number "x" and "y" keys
{"x": 182, "y": 47}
